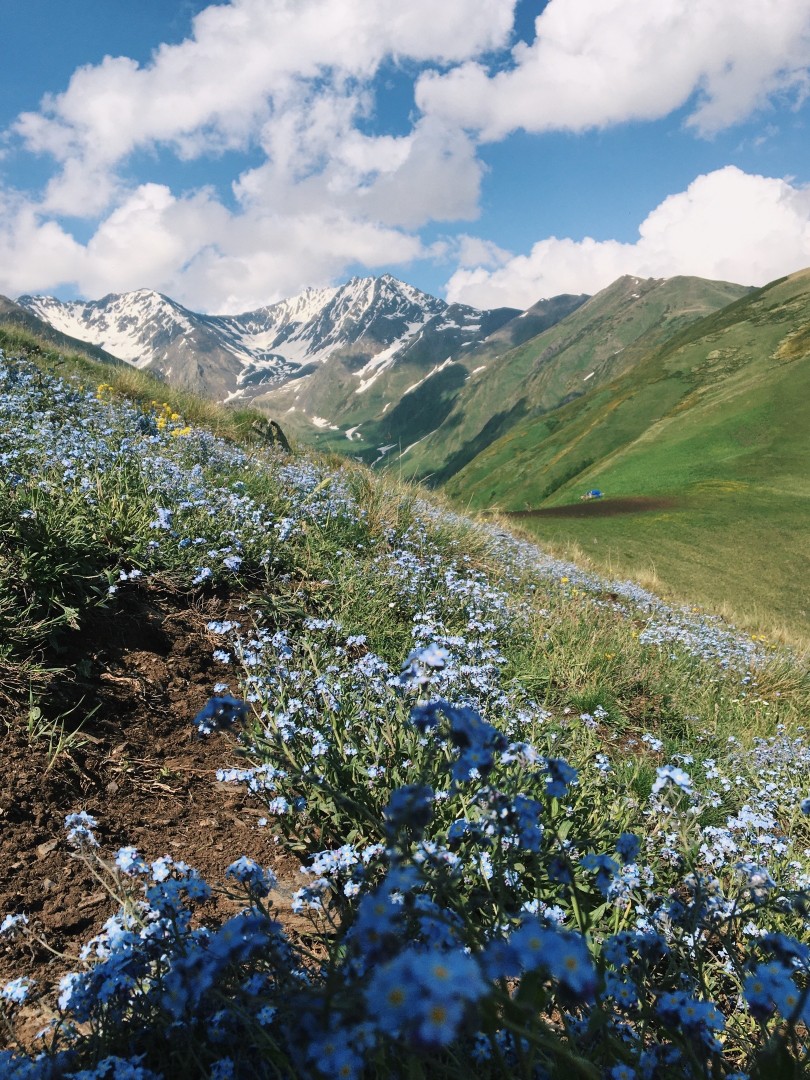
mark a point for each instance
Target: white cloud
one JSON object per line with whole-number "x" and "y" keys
{"x": 192, "y": 248}
{"x": 472, "y": 251}
{"x": 35, "y": 254}
{"x": 293, "y": 81}
{"x": 268, "y": 257}
{"x": 246, "y": 65}
{"x": 149, "y": 239}
{"x": 728, "y": 225}
{"x": 316, "y": 157}
{"x": 599, "y": 62}
{"x": 81, "y": 190}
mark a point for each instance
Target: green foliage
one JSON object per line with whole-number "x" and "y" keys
{"x": 711, "y": 423}
{"x": 484, "y": 783}
{"x": 59, "y": 734}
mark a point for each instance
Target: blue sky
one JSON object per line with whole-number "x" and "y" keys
{"x": 488, "y": 151}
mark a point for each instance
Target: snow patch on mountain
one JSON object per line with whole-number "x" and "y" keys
{"x": 433, "y": 371}
{"x": 131, "y": 326}
{"x": 369, "y": 322}
{"x": 369, "y": 374}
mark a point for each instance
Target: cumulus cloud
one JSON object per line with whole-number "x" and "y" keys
{"x": 193, "y": 248}
{"x": 472, "y": 251}
{"x": 150, "y": 238}
{"x": 330, "y": 187}
{"x": 728, "y": 225}
{"x": 599, "y": 62}
{"x": 35, "y": 253}
{"x": 246, "y": 65}
{"x": 267, "y": 257}
{"x": 291, "y": 79}
{"x": 317, "y": 157}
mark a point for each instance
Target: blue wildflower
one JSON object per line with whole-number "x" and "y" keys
{"x": 129, "y": 861}
{"x": 16, "y": 991}
{"x": 623, "y": 990}
{"x": 80, "y": 829}
{"x": 622, "y": 1072}
{"x": 13, "y": 924}
{"x": 164, "y": 519}
{"x": 409, "y": 808}
{"x": 393, "y": 995}
{"x": 438, "y": 1022}
{"x": 247, "y": 872}
{"x": 220, "y": 712}
{"x": 560, "y": 777}
{"x": 566, "y": 958}
{"x": 791, "y": 1002}
{"x": 421, "y": 663}
{"x": 758, "y": 881}
{"x": 559, "y": 870}
{"x": 672, "y": 774}
{"x": 605, "y": 867}
{"x": 335, "y": 1056}
{"x": 628, "y": 846}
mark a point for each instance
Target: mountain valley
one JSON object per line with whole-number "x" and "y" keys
{"x": 682, "y": 399}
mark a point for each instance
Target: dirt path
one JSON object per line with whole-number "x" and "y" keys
{"x": 138, "y": 768}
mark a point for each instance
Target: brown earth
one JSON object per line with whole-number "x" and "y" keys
{"x": 599, "y": 508}
{"x": 136, "y": 677}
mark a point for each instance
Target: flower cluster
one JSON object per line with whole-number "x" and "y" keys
{"x": 503, "y": 877}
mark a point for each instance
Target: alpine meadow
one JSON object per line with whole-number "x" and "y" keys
{"x": 699, "y": 443}
{"x": 405, "y": 540}
{"x": 313, "y": 776}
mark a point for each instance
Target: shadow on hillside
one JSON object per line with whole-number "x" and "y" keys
{"x": 599, "y": 508}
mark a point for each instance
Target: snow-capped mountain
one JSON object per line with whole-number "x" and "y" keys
{"x": 371, "y": 323}
{"x": 147, "y": 330}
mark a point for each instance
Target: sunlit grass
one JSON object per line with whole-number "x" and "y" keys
{"x": 455, "y": 731}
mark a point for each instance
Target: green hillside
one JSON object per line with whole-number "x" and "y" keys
{"x": 395, "y": 406}
{"x": 328, "y": 403}
{"x": 702, "y": 451}
{"x": 601, "y": 339}
{"x": 297, "y": 762}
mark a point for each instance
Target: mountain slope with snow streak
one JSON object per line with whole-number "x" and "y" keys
{"x": 370, "y": 322}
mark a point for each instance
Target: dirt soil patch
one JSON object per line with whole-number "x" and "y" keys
{"x": 136, "y": 677}
{"x": 591, "y": 508}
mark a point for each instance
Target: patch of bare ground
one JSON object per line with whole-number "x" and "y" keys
{"x": 635, "y": 504}
{"x": 135, "y": 677}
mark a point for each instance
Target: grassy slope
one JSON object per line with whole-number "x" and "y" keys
{"x": 597, "y": 342}
{"x": 383, "y": 563}
{"x": 92, "y": 366}
{"x": 714, "y": 421}
{"x": 385, "y": 501}
{"x": 406, "y": 401}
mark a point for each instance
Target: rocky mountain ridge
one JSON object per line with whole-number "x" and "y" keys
{"x": 369, "y": 322}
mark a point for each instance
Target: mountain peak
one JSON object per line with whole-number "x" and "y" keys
{"x": 363, "y": 318}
